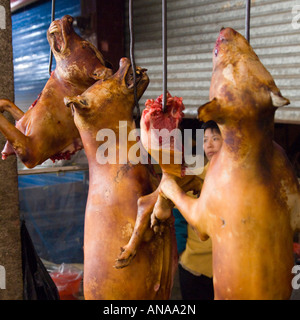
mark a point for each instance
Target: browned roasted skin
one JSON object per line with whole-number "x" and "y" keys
{"x": 114, "y": 190}
{"x": 47, "y": 128}
{"x": 249, "y": 204}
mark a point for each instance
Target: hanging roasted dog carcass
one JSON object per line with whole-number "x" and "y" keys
{"x": 250, "y": 201}
{"x": 106, "y": 108}
{"x": 47, "y": 129}
{"x": 162, "y": 139}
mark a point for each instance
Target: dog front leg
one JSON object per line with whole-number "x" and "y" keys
{"x": 16, "y": 138}
{"x": 7, "y": 105}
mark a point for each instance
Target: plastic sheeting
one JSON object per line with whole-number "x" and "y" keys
{"x": 38, "y": 284}
{"x": 53, "y": 206}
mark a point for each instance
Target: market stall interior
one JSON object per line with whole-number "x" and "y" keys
{"x": 121, "y": 212}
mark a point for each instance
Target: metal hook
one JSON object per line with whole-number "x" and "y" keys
{"x": 247, "y": 20}
{"x": 52, "y": 19}
{"x": 132, "y": 58}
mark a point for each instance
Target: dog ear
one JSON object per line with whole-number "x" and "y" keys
{"x": 78, "y": 102}
{"x": 210, "y": 111}
{"x": 278, "y": 100}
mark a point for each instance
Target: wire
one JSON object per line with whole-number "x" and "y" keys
{"x": 247, "y": 20}
{"x": 52, "y": 19}
{"x": 164, "y": 48}
{"x": 131, "y": 31}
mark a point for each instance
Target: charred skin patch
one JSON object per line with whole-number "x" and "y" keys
{"x": 233, "y": 142}
{"x": 227, "y": 93}
{"x": 123, "y": 171}
{"x": 229, "y": 96}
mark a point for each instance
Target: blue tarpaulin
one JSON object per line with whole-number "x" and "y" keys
{"x": 53, "y": 206}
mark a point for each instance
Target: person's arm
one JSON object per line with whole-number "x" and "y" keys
{"x": 184, "y": 203}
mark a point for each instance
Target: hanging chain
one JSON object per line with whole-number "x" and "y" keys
{"x": 164, "y": 49}
{"x": 52, "y": 19}
{"x": 247, "y": 20}
{"x": 132, "y": 58}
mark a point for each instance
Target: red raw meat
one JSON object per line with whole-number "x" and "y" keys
{"x": 154, "y": 117}
{"x": 170, "y": 119}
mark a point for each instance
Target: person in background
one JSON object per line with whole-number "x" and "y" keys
{"x": 195, "y": 256}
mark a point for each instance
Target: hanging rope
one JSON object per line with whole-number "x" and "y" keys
{"x": 164, "y": 47}
{"x": 247, "y": 20}
{"x": 52, "y": 19}
{"x": 138, "y": 113}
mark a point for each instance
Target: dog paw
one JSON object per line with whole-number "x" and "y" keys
{"x": 124, "y": 258}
